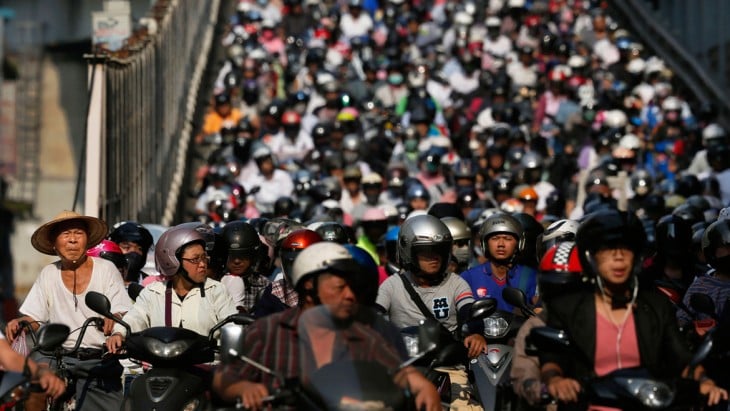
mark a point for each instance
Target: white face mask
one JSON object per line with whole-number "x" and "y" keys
{"x": 462, "y": 254}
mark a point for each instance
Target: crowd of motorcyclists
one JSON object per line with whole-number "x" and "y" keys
{"x": 397, "y": 161}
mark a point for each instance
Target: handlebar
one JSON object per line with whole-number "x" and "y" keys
{"x": 96, "y": 321}
{"x": 28, "y": 325}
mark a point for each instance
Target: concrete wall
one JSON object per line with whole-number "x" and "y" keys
{"x": 62, "y": 136}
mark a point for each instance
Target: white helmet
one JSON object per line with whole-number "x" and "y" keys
{"x": 615, "y": 119}
{"x": 671, "y": 103}
{"x": 630, "y": 141}
{"x": 711, "y": 132}
{"x": 322, "y": 257}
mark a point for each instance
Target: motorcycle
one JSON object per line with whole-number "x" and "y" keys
{"x": 15, "y": 387}
{"x": 491, "y": 371}
{"x": 176, "y": 355}
{"x": 347, "y": 381}
{"x": 628, "y": 388}
{"x": 451, "y": 351}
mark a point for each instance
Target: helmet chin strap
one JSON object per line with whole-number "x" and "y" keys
{"x": 186, "y": 276}
{"x": 619, "y": 301}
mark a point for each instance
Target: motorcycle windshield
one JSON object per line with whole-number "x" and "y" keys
{"x": 345, "y": 365}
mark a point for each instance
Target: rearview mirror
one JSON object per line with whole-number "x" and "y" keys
{"x": 51, "y": 336}
{"x": 99, "y": 304}
{"x": 516, "y": 297}
{"x": 548, "y": 338}
{"x": 231, "y": 338}
{"x": 483, "y": 308}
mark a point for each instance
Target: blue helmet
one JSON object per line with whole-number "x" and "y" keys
{"x": 366, "y": 284}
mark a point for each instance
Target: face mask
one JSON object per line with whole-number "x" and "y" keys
{"x": 722, "y": 264}
{"x": 462, "y": 254}
{"x": 411, "y": 145}
{"x": 350, "y": 157}
{"x": 395, "y": 79}
{"x": 135, "y": 262}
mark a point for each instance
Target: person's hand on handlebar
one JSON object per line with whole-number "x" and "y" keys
{"x": 252, "y": 395}
{"x": 13, "y": 327}
{"x": 50, "y": 382}
{"x": 114, "y": 342}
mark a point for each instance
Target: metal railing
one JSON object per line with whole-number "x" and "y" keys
{"x": 692, "y": 38}
{"x": 142, "y": 100}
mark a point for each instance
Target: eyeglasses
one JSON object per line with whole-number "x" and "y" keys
{"x": 197, "y": 260}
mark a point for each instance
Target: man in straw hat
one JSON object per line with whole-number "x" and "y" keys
{"x": 58, "y": 296}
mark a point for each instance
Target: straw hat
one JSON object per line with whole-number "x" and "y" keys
{"x": 42, "y": 241}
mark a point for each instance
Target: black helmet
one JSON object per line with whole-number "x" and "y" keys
{"x": 532, "y": 230}
{"x": 242, "y": 240}
{"x": 133, "y": 232}
{"x": 689, "y": 213}
{"x": 607, "y": 228}
{"x": 673, "y": 234}
{"x": 688, "y": 185}
{"x": 284, "y": 206}
{"x": 716, "y": 235}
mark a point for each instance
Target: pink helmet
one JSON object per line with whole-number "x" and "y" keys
{"x": 108, "y": 250}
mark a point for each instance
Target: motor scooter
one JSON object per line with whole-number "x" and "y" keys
{"x": 628, "y": 388}
{"x": 177, "y": 379}
{"x": 347, "y": 381}
{"x": 15, "y": 387}
{"x": 491, "y": 371}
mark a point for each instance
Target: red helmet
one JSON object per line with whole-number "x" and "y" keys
{"x": 293, "y": 244}
{"x": 291, "y": 118}
{"x": 108, "y": 250}
{"x": 559, "y": 269}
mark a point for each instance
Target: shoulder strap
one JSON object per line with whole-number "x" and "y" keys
{"x": 168, "y": 305}
{"x": 415, "y": 297}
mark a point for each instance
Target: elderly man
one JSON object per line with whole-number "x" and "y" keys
{"x": 58, "y": 296}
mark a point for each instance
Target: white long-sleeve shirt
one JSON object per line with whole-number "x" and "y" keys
{"x": 193, "y": 312}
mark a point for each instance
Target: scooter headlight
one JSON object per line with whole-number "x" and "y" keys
{"x": 411, "y": 342}
{"x": 495, "y": 327}
{"x": 166, "y": 350}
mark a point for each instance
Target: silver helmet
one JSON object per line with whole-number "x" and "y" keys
{"x": 419, "y": 233}
{"x": 501, "y": 223}
{"x": 169, "y": 247}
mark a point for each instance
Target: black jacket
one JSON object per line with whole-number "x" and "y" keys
{"x": 661, "y": 348}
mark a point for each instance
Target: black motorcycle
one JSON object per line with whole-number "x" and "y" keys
{"x": 176, "y": 380}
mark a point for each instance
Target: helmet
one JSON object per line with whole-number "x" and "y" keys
{"x": 133, "y": 232}
{"x": 322, "y": 257}
{"x": 419, "y": 233}
{"x": 711, "y": 133}
{"x": 458, "y": 228}
{"x": 503, "y": 184}
{"x": 284, "y": 206}
{"x": 170, "y": 245}
{"x": 606, "y": 228}
{"x": 559, "y": 267}
{"x": 291, "y": 118}
{"x": 688, "y": 185}
{"x": 671, "y": 103}
{"x": 641, "y": 182}
{"x": 465, "y": 168}
{"x": 108, "y": 250}
{"x": 417, "y": 191}
{"x": 332, "y": 231}
{"x": 689, "y": 213}
{"x": 531, "y": 231}
{"x": 366, "y": 284}
{"x": 673, "y": 234}
{"x": 527, "y": 194}
{"x": 292, "y": 245}
{"x": 559, "y": 231}
{"x": 501, "y": 223}
{"x": 716, "y": 235}
{"x": 242, "y": 240}
{"x": 531, "y": 160}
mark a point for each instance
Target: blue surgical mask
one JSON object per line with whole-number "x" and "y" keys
{"x": 395, "y": 79}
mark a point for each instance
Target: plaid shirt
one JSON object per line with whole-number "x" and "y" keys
{"x": 254, "y": 286}
{"x": 274, "y": 342}
{"x": 286, "y": 294}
